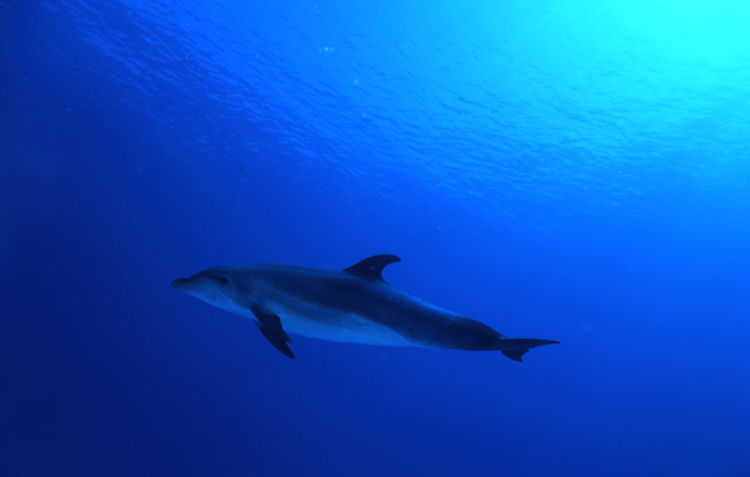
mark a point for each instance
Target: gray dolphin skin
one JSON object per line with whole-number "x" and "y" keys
{"x": 354, "y": 305}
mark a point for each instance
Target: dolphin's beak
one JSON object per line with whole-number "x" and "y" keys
{"x": 179, "y": 283}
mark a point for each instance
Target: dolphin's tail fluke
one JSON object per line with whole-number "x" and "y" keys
{"x": 514, "y": 348}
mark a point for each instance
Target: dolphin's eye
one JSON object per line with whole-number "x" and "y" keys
{"x": 218, "y": 278}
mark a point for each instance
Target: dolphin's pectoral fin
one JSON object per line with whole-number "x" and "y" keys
{"x": 271, "y": 322}
{"x": 277, "y": 341}
{"x": 372, "y": 268}
{"x": 270, "y": 325}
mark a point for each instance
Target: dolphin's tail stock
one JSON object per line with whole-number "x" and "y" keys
{"x": 514, "y": 348}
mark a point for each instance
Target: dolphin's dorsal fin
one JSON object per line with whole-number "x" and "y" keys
{"x": 372, "y": 268}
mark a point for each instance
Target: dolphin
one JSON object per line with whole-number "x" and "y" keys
{"x": 354, "y": 305}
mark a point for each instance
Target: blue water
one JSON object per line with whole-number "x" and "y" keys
{"x": 576, "y": 171}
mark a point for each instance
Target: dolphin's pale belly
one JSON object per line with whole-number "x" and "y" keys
{"x": 341, "y": 327}
{"x": 321, "y": 323}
